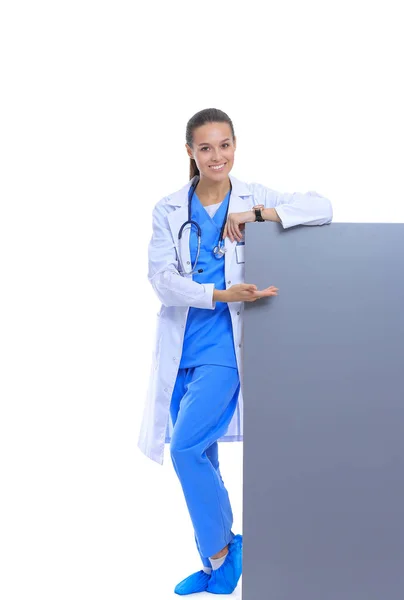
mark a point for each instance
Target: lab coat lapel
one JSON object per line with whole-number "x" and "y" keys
{"x": 175, "y": 219}
{"x": 237, "y": 204}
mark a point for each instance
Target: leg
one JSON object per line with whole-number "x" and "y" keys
{"x": 179, "y": 390}
{"x": 211, "y": 452}
{"x": 203, "y": 417}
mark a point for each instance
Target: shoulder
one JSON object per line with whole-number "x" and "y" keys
{"x": 261, "y": 194}
{"x": 173, "y": 200}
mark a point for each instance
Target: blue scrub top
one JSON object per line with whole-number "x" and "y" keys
{"x": 208, "y": 338}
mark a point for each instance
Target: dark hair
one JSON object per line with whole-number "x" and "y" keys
{"x": 207, "y": 115}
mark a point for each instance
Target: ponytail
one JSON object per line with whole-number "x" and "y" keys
{"x": 193, "y": 169}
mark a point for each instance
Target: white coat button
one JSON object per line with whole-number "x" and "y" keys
{"x": 238, "y": 312}
{"x": 239, "y": 345}
{"x": 174, "y": 359}
{"x": 188, "y": 263}
{"x": 229, "y": 282}
{"x": 166, "y": 389}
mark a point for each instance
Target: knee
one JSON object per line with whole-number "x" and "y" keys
{"x": 181, "y": 450}
{"x": 177, "y": 449}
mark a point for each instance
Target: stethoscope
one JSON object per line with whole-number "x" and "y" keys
{"x": 219, "y": 250}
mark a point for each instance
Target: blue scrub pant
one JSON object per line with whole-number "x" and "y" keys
{"x": 202, "y": 405}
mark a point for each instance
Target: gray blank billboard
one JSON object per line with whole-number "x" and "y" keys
{"x": 323, "y": 473}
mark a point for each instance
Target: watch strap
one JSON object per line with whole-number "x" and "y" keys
{"x": 258, "y": 215}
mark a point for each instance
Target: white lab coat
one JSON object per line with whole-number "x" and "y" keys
{"x": 179, "y": 292}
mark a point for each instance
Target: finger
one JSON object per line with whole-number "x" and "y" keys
{"x": 251, "y": 293}
{"x": 231, "y": 234}
{"x": 266, "y": 293}
{"x": 237, "y": 231}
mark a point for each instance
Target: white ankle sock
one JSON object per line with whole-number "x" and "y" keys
{"x": 217, "y": 562}
{"x": 207, "y": 570}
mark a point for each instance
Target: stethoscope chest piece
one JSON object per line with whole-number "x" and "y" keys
{"x": 219, "y": 251}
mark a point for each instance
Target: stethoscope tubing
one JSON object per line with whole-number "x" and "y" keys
{"x": 219, "y": 250}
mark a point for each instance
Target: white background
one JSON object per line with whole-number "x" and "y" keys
{"x": 94, "y": 103}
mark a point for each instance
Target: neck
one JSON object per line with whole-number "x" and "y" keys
{"x": 212, "y": 190}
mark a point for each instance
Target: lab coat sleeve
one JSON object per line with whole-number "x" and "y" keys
{"x": 296, "y": 208}
{"x": 172, "y": 288}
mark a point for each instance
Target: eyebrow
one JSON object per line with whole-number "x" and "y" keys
{"x": 207, "y": 143}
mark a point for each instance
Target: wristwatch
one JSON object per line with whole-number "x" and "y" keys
{"x": 257, "y": 209}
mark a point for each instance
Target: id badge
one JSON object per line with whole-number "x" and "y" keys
{"x": 240, "y": 248}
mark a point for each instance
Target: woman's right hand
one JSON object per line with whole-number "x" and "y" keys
{"x": 247, "y": 292}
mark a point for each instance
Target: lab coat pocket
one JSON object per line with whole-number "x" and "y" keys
{"x": 240, "y": 247}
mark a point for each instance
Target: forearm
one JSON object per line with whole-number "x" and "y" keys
{"x": 292, "y": 209}
{"x": 219, "y": 295}
{"x": 174, "y": 290}
{"x": 270, "y": 214}
{"x": 304, "y": 209}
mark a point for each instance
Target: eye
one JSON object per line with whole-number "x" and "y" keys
{"x": 226, "y": 144}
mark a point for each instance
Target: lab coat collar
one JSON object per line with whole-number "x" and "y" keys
{"x": 180, "y": 197}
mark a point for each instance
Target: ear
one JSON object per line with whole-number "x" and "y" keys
{"x": 189, "y": 151}
{"x": 235, "y": 142}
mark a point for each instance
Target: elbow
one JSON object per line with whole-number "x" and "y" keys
{"x": 324, "y": 211}
{"x": 323, "y": 208}
{"x": 159, "y": 290}
{"x": 329, "y": 212}
{"x": 166, "y": 289}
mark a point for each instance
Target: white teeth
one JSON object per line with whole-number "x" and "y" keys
{"x": 217, "y": 167}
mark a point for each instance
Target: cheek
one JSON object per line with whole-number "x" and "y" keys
{"x": 202, "y": 158}
{"x": 230, "y": 154}
{"x": 205, "y": 161}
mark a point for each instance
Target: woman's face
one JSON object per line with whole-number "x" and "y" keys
{"x": 213, "y": 146}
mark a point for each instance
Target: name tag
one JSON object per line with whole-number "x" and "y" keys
{"x": 240, "y": 248}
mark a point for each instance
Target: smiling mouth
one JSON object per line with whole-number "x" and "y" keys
{"x": 217, "y": 167}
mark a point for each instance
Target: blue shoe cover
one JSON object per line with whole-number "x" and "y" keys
{"x": 225, "y": 579}
{"x": 197, "y": 582}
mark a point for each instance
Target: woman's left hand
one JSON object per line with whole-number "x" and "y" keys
{"x": 235, "y": 224}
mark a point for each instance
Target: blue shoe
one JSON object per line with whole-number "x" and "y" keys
{"x": 225, "y": 579}
{"x": 197, "y": 582}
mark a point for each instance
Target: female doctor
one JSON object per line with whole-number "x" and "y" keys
{"x": 196, "y": 267}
